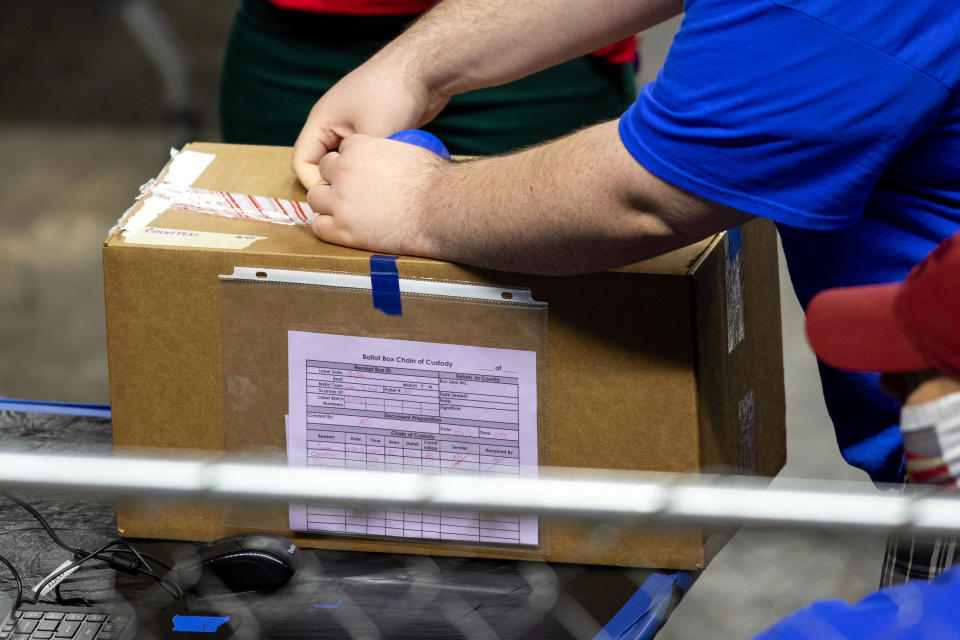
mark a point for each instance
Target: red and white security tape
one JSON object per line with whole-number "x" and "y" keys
{"x": 230, "y": 205}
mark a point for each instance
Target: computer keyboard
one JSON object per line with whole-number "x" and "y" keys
{"x": 53, "y": 622}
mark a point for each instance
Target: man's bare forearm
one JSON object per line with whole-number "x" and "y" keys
{"x": 575, "y": 205}
{"x": 461, "y": 45}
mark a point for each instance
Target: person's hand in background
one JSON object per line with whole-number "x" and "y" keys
{"x": 376, "y": 99}
{"x": 459, "y": 46}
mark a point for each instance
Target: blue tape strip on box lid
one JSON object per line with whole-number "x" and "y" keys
{"x": 385, "y": 283}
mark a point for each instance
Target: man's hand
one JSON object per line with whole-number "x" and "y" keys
{"x": 575, "y": 205}
{"x": 375, "y": 195}
{"x": 376, "y": 99}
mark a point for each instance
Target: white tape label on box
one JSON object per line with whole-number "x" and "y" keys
{"x": 185, "y": 238}
{"x": 187, "y": 166}
{"x": 147, "y": 213}
{"x": 175, "y": 192}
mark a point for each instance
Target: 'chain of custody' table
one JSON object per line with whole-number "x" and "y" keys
{"x": 412, "y": 421}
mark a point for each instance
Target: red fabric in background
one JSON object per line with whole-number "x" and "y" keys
{"x": 358, "y": 7}
{"x": 617, "y": 53}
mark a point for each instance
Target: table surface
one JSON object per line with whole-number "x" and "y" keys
{"x": 335, "y": 594}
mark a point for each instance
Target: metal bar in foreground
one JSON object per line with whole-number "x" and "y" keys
{"x": 662, "y": 499}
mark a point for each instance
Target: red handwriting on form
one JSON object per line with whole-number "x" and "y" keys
{"x": 362, "y": 387}
{"x": 333, "y": 455}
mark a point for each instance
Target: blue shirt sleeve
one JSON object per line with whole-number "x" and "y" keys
{"x": 769, "y": 109}
{"x": 915, "y": 610}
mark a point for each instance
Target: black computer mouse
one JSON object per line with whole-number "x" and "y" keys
{"x": 243, "y": 562}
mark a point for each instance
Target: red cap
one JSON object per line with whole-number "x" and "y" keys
{"x": 905, "y": 326}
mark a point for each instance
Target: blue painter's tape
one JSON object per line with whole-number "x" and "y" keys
{"x": 385, "y": 283}
{"x": 423, "y": 139}
{"x": 62, "y": 408}
{"x": 335, "y": 605}
{"x": 198, "y": 624}
{"x": 736, "y": 242}
{"x": 646, "y": 610}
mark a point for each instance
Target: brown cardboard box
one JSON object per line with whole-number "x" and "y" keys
{"x": 673, "y": 364}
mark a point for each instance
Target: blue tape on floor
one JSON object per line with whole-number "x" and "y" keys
{"x": 198, "y": 624}
{"x": 646, "y": 610}
{"x": 62, "y": 408}
{"x": 385, "y": 282}
{"x": 736, "y": 242}
{"x": 335, "y": 605}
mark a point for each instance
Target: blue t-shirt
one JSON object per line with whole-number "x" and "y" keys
{"x": 839, "y": 121}
{"x": 915, "y": 610}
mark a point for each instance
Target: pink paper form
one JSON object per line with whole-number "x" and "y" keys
{"x": 412, "y": 407}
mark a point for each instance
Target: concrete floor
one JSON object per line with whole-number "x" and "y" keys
{"x": 81, "y": 127}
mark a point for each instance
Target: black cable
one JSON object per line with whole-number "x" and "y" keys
{"x": 76, "y": 563}
{"x": 145, "y": 555}
{"x": 166, "y": 583}
{"x": 134, "y": 568}
{"x": 76, "y": 551}
{"x": 70, "y": 602}
{"x": 81, "y": 555}
{"x": 174, "y": 589}
{"x": 96, "y": 554}
{"x": 128, "y": 547}
{"x": 16, "y": 576}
